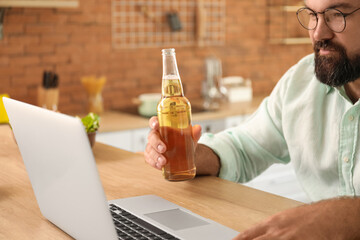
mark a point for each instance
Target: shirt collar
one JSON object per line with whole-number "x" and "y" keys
{"x": 340, "y": 90}
{"x": 328, "y": 89}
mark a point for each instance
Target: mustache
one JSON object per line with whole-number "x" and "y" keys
{"x": 327, "y": 45}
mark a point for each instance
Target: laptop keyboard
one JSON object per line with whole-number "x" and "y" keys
{"x": 130, "y": 227}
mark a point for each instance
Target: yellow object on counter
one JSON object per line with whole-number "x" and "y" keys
{"x": 3, "y": 116}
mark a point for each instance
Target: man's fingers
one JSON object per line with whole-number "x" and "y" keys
{"x": 155, "y": 147}
{"x": 154, "y": 158}
{"x": 155, "y": 141}
{"x": 154, "y": 123}
{"x": 252, "y": 233}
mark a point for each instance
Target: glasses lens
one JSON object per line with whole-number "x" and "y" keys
{"x": 307, "y": 18}
{"x": 335, "y": 20}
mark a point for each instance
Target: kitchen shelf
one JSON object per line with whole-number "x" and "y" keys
{"x": 283, "y": 29}
{"x": 40, "y": 3}
{"x": 290, "y": 41}
{"x": 288, "y": 8}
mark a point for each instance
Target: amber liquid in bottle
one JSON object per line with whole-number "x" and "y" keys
{"x": 174, "y": 113}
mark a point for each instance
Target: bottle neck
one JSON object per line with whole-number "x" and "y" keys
{"x": 169, "y": 63}
{"x": 171, "y": 83}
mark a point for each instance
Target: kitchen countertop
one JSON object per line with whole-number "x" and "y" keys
{"x": 119, "y": 121}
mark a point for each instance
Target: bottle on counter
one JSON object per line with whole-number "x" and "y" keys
{"x": 174, "y": 114}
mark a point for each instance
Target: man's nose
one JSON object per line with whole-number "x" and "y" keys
{"x": 322, "y": 31}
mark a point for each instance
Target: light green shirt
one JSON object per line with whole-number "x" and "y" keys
{"x": 304, "y": 121}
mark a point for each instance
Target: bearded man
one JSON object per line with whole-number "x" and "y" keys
{"x": 312, "y": 119}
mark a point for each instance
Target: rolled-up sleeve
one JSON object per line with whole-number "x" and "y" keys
{"x": 248, "y": 150}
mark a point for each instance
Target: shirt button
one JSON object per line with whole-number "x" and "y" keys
{"x": 346, "y": 159}
{"x": 351, "y": 117}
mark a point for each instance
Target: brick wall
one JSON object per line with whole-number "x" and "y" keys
{"x": 77, "y": 42}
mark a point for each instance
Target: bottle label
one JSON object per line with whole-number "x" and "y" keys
{"x": 175, "y": 113}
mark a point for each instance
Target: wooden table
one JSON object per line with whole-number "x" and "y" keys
{"x": 125, "y": 174}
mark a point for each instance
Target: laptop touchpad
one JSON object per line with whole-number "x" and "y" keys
{"x": 176, "y": 219}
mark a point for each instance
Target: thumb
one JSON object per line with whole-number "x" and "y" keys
{"x": 196, "y": 132}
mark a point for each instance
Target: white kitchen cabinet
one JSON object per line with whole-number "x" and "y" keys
{"x": 235, "y": 121}
{"x": 119, "y": 139}
{"x": 139, "y": 139}
{"x": 129, "y": 140}
{"x": 217, "y": 125}
{"x": 211, "y": 126}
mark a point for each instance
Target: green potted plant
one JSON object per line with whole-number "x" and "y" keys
{"x": 91, "y": 123}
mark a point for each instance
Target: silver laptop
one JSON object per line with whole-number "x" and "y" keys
{"x": 62, "y": 170}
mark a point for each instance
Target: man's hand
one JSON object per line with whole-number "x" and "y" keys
{"x": 329, "y": 219}
{"x": 156, "y": 147}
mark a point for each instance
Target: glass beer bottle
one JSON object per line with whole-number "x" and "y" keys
{"x": 174, "y": 114}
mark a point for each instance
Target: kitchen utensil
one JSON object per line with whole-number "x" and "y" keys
{"x": 93, "y": 87}
{"x": 174, "y": 21}
{"x": 214, "y": 93}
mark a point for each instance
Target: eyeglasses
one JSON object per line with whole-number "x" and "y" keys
{"x": 334, "y": 19}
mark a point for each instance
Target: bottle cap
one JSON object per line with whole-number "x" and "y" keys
{"x": 168, "y": 51}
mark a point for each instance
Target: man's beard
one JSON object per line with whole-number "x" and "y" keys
{"x": 336, "y": 69}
